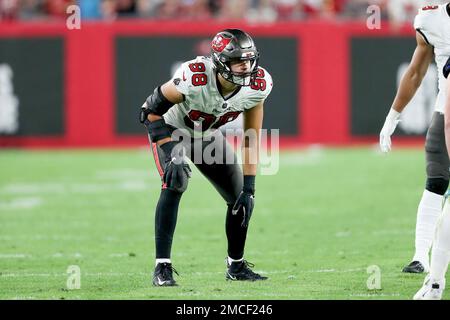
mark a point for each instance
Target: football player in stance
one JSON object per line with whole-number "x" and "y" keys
{"x": 204, "y": 94}
{"x": 434, "y": 284}
{"x": 432, "y": 24}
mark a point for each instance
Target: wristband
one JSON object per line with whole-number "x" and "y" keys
{"x": 249, "y": 184}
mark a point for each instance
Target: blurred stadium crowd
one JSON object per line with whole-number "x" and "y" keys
{"x": 397, "y": 11}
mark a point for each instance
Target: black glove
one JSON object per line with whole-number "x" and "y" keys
{"x": 447, "y": 68}
{"x": 246, "y": 200}
{"x": 176, "y": 172}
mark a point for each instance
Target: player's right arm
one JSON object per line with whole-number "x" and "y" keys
{"x": 412, "y": 79}
{"x": 181, "y": 87}
{"x": 167, "y": 92}
{"x": 176, "y": 172}
{"x": 409, "y": 84}
{"x": 447, "y": 107}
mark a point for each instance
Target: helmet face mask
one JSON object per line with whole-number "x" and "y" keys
{"x": 234, "y": 45}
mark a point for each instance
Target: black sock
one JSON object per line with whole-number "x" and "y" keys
{"x": 236, "y": 234}
{"x": 165, "y": 222}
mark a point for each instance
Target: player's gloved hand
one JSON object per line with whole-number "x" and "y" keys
{"x": 177, "y": 172}
{"x": 447, "y": 69}
{"x": 388, "y": 129}
{"x": 246, "y": 200}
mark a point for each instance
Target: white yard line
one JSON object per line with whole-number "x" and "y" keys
{"x": 293, "y": 271}
{"x": 57, "y": 255}
{"x": 20, "y": 275}
{"x": 133, "y": 185}
{"x": 343, "y": 234}
{"x": 36, "y": 237}
{"x": 65, "y": 255}
{"x": 393, "y": 232}
{"x": 54, "y": 237}
{"x": 14, "y": 256}
{"x": 54, "y": 188}
{"x": 119, "y": 255}
{"x": 125, "y": 174}
{"x": 367, "y": 295}
{"x": 21, "y": 203}
{"x": 336, "y": 271}
{"x": 88, "y": 274}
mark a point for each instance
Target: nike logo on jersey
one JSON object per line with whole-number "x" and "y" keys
{"x": 184, "y": 77}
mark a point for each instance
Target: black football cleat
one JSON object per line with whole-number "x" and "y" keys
{"x": 414, "y": 267}
{"x": 240, "y": 271}
{"x": 163, "y": 276}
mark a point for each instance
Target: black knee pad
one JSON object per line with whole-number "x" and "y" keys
{"x": 437, "y": 185}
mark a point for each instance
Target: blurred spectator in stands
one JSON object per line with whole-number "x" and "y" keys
{"x": 90, "y": 9}
{"x": 288, "y": 9}
{"x": 303, "y": 9}
{"x": 9, "y": 10}
{"x": 168, "y": 9}
{"x": 357, "y": 9}
{"x": 323, "y": 8}
{"x": 30, "y": 9}
{"x": 214, "y": 7}
{"x": 195, "y": 10}
{"x": 57, "y": 8}
{"x": 125, "y": 8}
{"x": 404, "y": 11}
{"x": 108, "y": 10}
{"x": 262, "y": 11}
{"x": 234, "y": 10}
{"x": 314, "y": 8}
{"x": 147, "y": 8}
{"x": 335, "y": 7}
{"x": 253, "y": 11}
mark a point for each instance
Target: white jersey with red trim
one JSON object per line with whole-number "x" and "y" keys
{"x": 433, "y": 23}
{"x": 204, "y": 108}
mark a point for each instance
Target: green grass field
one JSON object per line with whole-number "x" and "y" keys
{"x": 318, "y": 225}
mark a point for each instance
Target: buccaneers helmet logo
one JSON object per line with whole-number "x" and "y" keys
{"x": 219, "y": 43}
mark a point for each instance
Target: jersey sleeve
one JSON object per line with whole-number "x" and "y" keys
{"x": 426, "y": 23}
{"x": 188, "y": 74}
{"x": 447, "y": 68}
{"x": 261, "y": 88}
{"x": 180, "y": 77}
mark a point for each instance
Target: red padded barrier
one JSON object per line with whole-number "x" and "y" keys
{"x": 89, "y": 68}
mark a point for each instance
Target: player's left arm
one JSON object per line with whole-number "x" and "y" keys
{"x": 245, "y": 203}
{"x": 447, "y": 107}
{"x": 253, "y": 119}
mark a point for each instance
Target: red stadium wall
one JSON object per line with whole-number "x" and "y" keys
{"x": 324, "y": 77}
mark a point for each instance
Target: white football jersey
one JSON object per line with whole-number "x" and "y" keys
{"x": 204, "y": 109}
{"x": 433, "y": 22}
